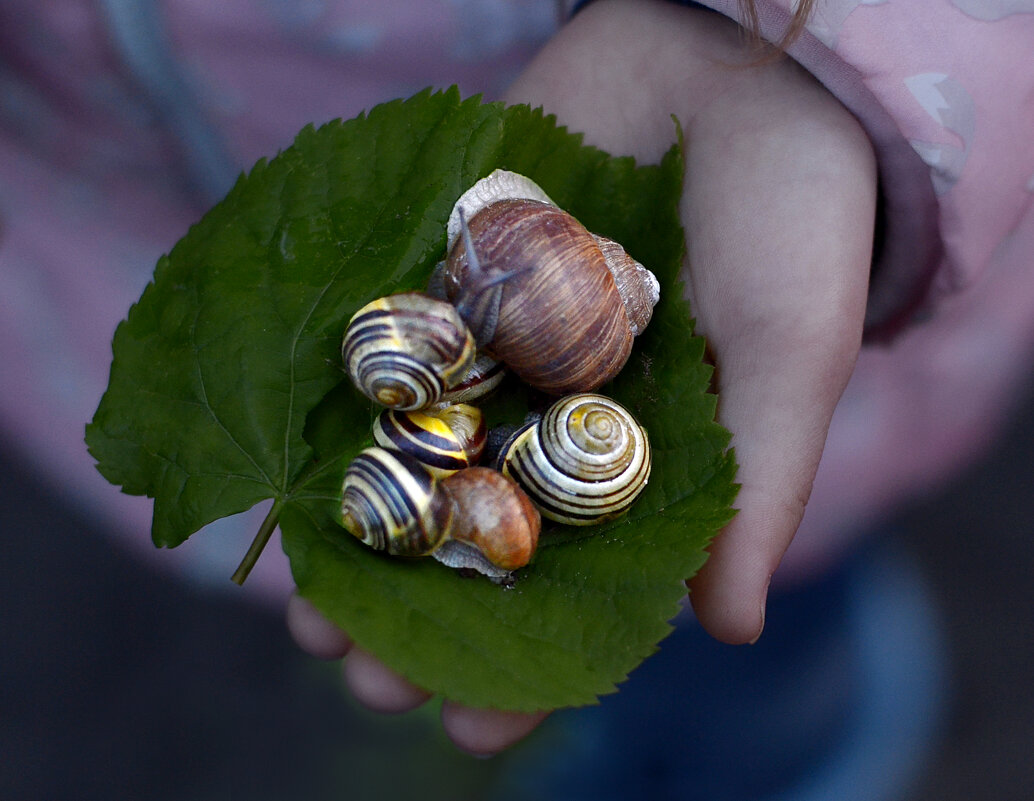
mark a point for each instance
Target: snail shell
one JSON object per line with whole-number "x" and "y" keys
{"x": 393, "y": 503}
{"x": 583, "y": 462}
{"x": 557, "y": 304}
{"x": 404, "y": 351}
{"x": 476, "y": 518}
{"x": 494, "y": 518}
{"x": 444, "y": 440}
{"x": 483, "y": 377}
{"x": 500, "y": 185}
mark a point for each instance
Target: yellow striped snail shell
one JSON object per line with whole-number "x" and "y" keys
{"x": 392, "y": 503}
{"x": 444, "y": 440}
{"x": 404, "y": 351}
{"x": 558, "y": 304}
{"x": 583, "y": 462}
{"x": 475, "y": 519}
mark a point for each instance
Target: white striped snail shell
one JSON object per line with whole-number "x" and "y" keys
{"x": 444, "y": 440}
{"x": 476, "y": 518}
{"x": 583, "y": 462}
{"x": 404, "y": 351}
{"x": 559, "y": 305}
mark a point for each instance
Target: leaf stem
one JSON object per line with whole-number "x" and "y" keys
{"x": 258, "y": 544}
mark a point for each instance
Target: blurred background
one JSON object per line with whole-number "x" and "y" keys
{"x": 121, "y": 681}
{"x": 127, "y": 672}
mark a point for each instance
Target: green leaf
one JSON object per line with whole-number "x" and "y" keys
{"x": 226, "y": 389}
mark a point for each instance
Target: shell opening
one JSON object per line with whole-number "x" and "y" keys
{"x": 498, "y": 185}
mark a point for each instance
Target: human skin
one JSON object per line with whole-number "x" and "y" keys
{"x": 778, "y": 208}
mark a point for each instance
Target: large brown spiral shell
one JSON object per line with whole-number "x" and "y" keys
{"x": 562, "y": 325}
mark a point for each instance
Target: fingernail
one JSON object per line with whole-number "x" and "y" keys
{"x": 761, "y": 628}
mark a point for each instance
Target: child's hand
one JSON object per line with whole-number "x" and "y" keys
{"x": 778, "y": 209}
{"x": 479, "y": 731}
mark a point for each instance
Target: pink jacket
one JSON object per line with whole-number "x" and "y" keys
{"x": 118, "y": 129}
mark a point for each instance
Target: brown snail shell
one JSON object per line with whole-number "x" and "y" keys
{"x": 543, "y": 294}
{"x": 494, "y": 517}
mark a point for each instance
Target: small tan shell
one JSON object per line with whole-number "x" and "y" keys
{"x": 494, "y": 516}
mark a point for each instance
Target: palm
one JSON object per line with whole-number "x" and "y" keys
{"x": 778, "y": 210}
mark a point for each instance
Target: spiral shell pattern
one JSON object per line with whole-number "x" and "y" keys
{"x": 392, "y": 503}
{"x": 585, "y": 461}
{"x": 444, "y": 441}
{"x": 404, "y": 351}
{"x": 559, "y": 321}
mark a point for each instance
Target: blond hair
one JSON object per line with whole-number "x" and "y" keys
{"x": 752, "y": 24}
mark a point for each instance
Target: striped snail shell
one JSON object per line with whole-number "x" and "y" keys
{"x": 443, "y": 440}
{"x": 583, "y": 462}
{"x": 393, "y": 503}
{"x": 404, "y": 351}
{"x": 475, "y": 519}
{"x": 559, "y": 305}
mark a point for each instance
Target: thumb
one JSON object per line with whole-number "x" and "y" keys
{"x": 780, "y": 418}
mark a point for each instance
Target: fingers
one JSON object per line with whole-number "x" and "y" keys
{"x": 313, "y": 633}
{"x": 378, "y": 687}
{"x": 779, "y": 420}
{"x": 374, "y": 685}
{"x": 482, "y": 732}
